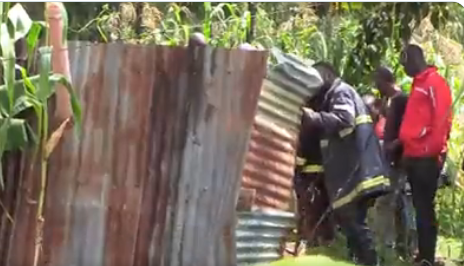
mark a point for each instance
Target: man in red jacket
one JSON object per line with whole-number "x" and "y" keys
{"x": 424, "y": 134}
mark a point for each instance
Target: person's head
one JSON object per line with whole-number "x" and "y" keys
{"x": 246, "y": 46}
{"x": 327, "y": 73}
{"x": 413, "y": 60}
{"x": 197, "y": 39}
{"x": 385, "y": 81}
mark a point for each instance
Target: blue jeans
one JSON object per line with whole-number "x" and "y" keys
{"x": 406, "y": 241}
{"x": 394, "y": 223}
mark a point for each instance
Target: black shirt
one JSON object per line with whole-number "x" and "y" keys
{"x": 395, "y": 113}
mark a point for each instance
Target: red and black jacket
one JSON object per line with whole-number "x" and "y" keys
{"x": 427, "y": 120}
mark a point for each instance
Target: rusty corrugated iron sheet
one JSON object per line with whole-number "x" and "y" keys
{"x": 154, "y": 176}
{"x": 269, "y": 165}
{"x": 19, "y": 219}
{"x": 12, "y": 171}
{"x": 270, "y": 160}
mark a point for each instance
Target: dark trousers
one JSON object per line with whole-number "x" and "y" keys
{"x": 423, "y": 174}
{"x": 352, "y": 220}
{"x": 313, "y": 203}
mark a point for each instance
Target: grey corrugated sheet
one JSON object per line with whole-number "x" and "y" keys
{"x": 260, "y": 235}
{"x": 154, "y": 176}
{"x": 283, "y": 94}
{"x": 270, "y": 160}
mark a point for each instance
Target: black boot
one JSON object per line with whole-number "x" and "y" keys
{"x": 369, "y": 258}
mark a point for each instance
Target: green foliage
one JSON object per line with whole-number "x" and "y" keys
{"x": 308, "y": 260}
{"x": 381, "y": 31}
{"x": 28, "y": 92}
{"x": 370, "y": 32}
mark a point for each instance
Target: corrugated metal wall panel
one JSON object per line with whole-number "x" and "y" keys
{"x": 260, "y": 236}
{"x": 154, "y": 176}
{"x": 269, "y": 165}
{"x": 270, "y": 160}
{"x": 280, "y": 105}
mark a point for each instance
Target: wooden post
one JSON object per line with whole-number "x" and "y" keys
{"x": 60, "y": 60}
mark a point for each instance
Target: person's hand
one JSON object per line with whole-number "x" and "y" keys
{"x": 389, "y": 147}
{"x": 308, "y": 112}
{"x": 371, "y": 202}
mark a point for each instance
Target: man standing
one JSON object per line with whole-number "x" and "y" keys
{"x": 395, "y": 204}
{"x": 424, "y": 134}
{"x": 353, "y": 164}
{"x": 396, "y": 102}
{"x": 314, "y": 224}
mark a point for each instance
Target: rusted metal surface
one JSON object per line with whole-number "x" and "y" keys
{"x": 261, "y": 235}
{"x": 153, "y": 179}
{"x": 19, "y": 211}
{"x": 270, "y": 159}
{"x": 12, "y": 172}
{"x": 269, "y": 165}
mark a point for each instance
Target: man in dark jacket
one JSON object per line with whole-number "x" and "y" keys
{"x": 314, "y": 223}
{"x": 424, "y": 134}
{"x": 396, "y": 105}
{"x": 353, "y": 164}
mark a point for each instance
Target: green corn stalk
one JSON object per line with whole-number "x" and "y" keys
{"x": 207, "y": 23}
{"x": 29, "y": 92}
{"x": 8, "y": 56}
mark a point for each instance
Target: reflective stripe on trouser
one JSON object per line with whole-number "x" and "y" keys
{"x": 299, "y": 161}
{"x": 312, "y": 168}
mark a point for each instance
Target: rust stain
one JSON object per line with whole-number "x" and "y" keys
{"x": 269, "y": 165}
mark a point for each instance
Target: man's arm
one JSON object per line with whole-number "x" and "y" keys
{"x": 440, "y": 95}
{"x": 341, "y": 114}
{"x": 390, "y": 126}
{"x": 407, "y": 133}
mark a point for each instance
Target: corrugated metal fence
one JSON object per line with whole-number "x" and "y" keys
{"x": 153, "y": 179}
{"x": 270, "y": 159}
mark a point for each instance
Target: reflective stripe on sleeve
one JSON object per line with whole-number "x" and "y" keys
{"x": 299, "y": 161}
{"x": 359, "y": 120}
{"x": 361, "y": 187}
